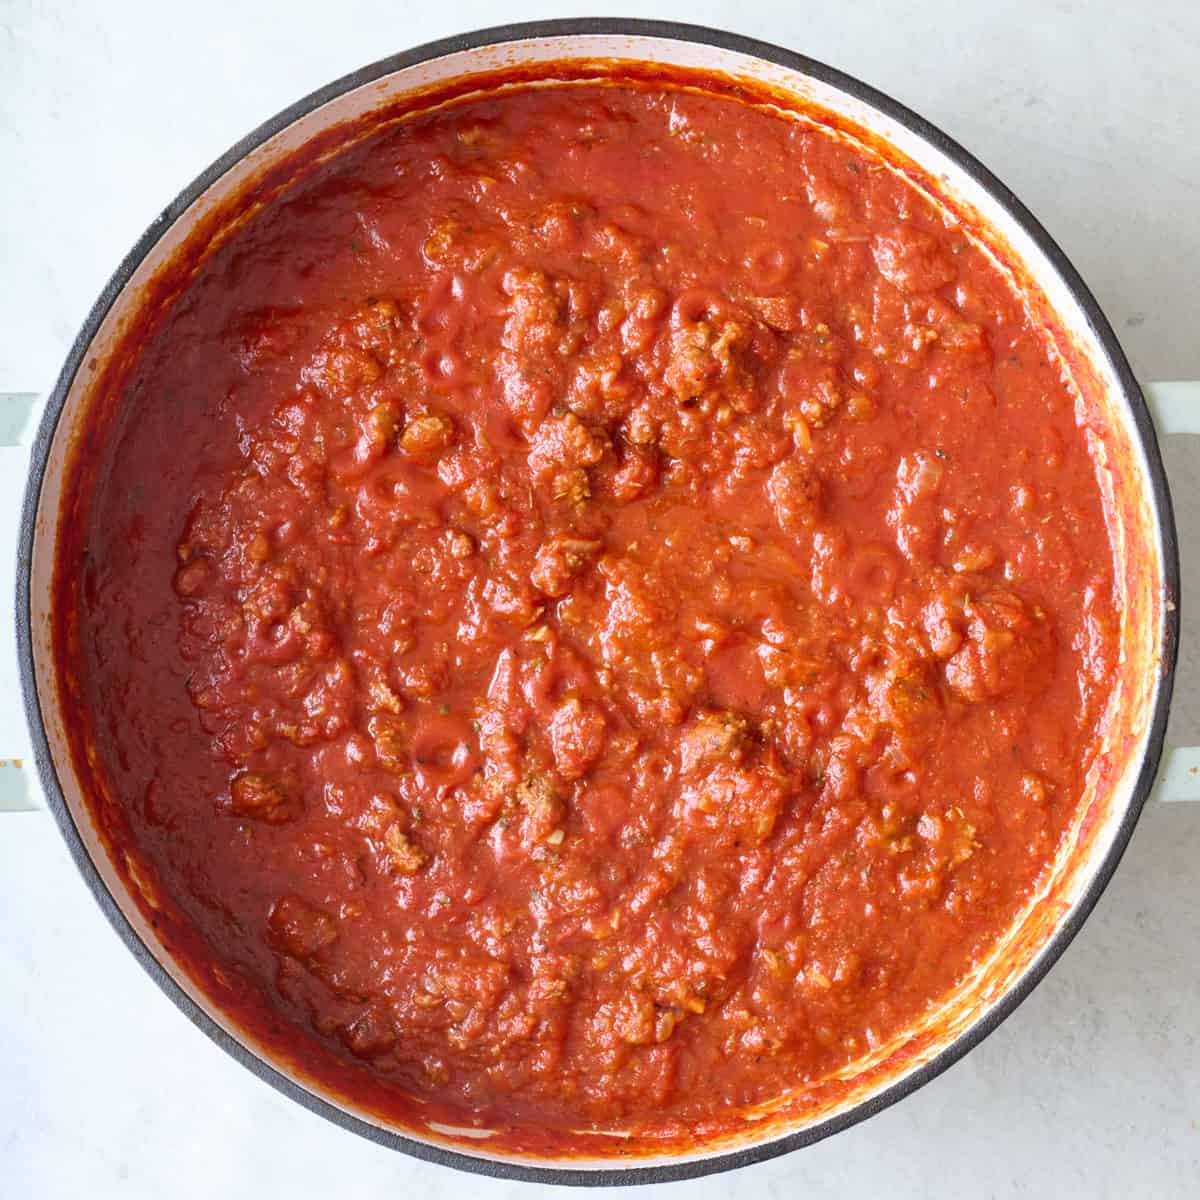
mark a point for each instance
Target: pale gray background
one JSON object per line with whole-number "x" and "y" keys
{"x": 1089, "y": 111}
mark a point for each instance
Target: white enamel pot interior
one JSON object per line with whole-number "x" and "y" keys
{"x": 1141, "y": 519}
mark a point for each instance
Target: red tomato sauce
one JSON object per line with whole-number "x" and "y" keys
{"x": 600, "y": 608}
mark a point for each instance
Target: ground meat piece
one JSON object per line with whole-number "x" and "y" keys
{"x": 706, "y": 362}
{"x": 381, "y": 696}
{"x": 528, "y": 366}
{"x": 424, "y": 438}
{"x": 342, "y": 370}
{"x": 535, "y": 310}
{"x": 637, "y": 474}
{"x": 558, "y": 562}
{"x": 795, "y": 493}
{"x": 512, "y": 599}
{"x": 261, "y": 798}
{"x": 540, "y": 806}
{"x": 713, "y": 736}
{"x": 391, "y": 742}
{"x": 378, "y": 327}
{"x": 1004, "y": 645}
{"x": 298, "y": 929}
{"x": 404, "y": 858}
{"x": 904, "y": 697}
{"x": 779, "y": 312}
{"x": 821, "y": 399}
{"x": 270, "y": 600}
{"x": 577, "y": 734}
{"x": 383, "y": 420}
{"x": 191, "y": 577}
{"x": 562, "y": 443}
{"x": 572, "y": 487}
{"x": 734, "y": 802}
{"x": 940, "y": 622}
{"x": 370, "y": 1034}
{"x": 630, "y": 1019}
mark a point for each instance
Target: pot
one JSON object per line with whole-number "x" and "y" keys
{"x": 250, "y": 174}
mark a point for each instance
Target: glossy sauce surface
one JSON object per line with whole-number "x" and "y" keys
{"x": 600, "y": 609}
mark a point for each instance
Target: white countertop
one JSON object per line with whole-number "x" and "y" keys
{"x": 1090, "y": 113}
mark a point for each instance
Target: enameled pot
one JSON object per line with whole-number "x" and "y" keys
{"x": 1144, "y": 536}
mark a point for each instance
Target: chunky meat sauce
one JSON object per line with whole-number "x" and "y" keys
{"x": 601, "y": 608}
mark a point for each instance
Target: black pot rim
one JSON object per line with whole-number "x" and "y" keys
{"x": 1159, "y": 494}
